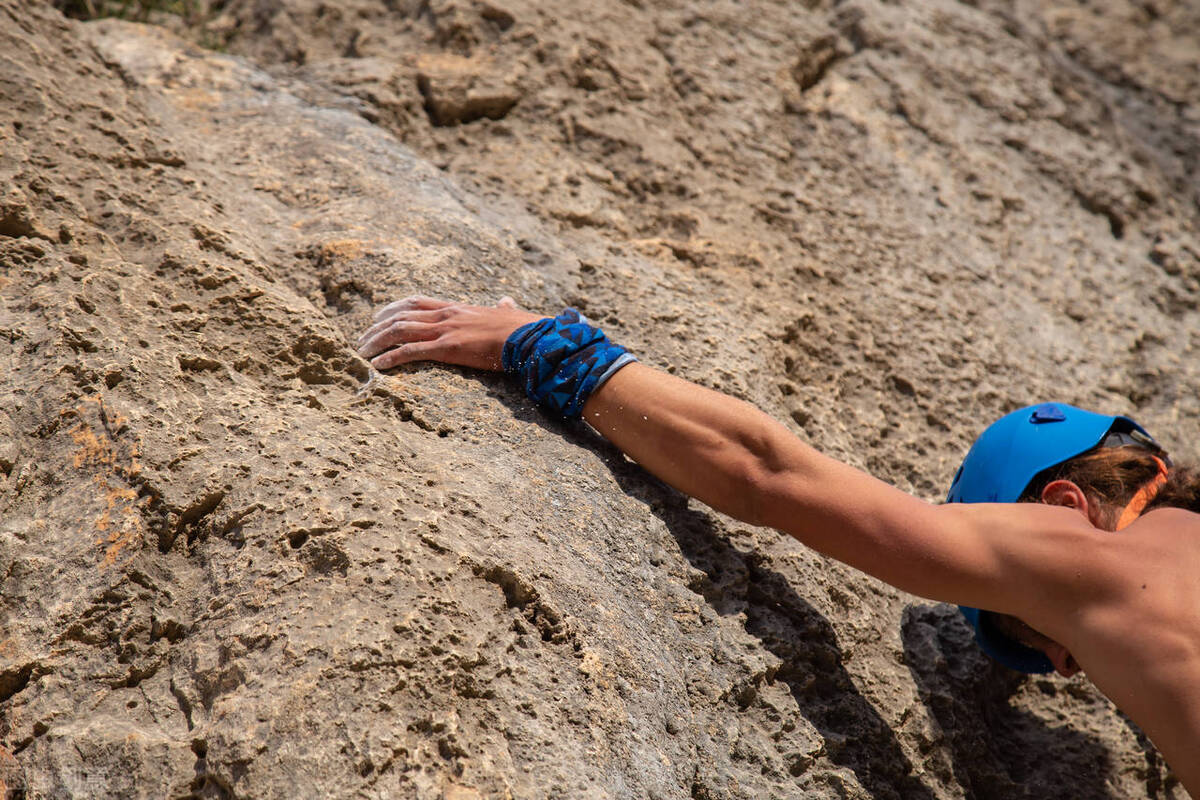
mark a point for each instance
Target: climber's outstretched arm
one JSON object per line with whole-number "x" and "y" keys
{"x": 742, "y": 462}
{"x": 738, "y": 460}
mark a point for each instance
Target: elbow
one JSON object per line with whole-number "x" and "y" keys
{"x": 747, "y": 465}
{"x": 756, "y": 496}
{"x": 762, "y": 474}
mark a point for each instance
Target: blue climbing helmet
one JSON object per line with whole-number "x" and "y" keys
{"x": 1005, "y": 460}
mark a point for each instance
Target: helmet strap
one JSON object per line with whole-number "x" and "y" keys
{"x": 1139, "y": 501}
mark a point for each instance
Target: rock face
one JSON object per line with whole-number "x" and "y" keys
{"x": 236, "y": 562}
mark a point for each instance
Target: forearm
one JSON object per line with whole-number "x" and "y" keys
{"x": 704, "y": 443}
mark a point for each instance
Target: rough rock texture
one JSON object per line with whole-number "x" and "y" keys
{"x": 235, "y": 562}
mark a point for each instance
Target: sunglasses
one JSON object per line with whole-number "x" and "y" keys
{"x": 1137, "y": 438}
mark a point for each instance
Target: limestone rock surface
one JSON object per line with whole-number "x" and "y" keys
{"x": 236, "y": 562}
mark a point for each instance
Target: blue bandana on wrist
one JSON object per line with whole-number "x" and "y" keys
{"x": 562, "y": 360}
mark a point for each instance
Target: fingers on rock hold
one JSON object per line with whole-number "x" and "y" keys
{"x": 382, "y": 336}
{"x": 413, "y": 303}
{"x": 403, "y": 354}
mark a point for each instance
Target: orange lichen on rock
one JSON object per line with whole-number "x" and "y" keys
{"x": 9, "y": 648}
{"x": 126, "y": 528}
{"x": 99, "y": 448}
{"x": 113, "y": 457}
{"x": 342, "y": 250}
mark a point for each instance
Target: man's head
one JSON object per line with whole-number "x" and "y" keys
{"x": 1016, "y": 630}
{"x": 1061, "y": 455}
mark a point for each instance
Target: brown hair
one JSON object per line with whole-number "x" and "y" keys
{"x": 1112, "y": 475}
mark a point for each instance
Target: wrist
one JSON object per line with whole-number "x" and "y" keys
{"x": 562, "y": 360}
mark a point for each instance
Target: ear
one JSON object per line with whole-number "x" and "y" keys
{"x": 1061, "y": 658}
{"x": 1066, "y": 493}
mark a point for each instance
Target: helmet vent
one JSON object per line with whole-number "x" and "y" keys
{"x": 1047, "y": 412}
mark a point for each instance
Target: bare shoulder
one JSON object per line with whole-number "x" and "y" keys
{"x": 1136, "y": 587}
{"x": 1058, "y": 548}
{"x": 1163, "y": 519}
{"x": 1038, "y": 556}
{"x": 1163, "y": 542}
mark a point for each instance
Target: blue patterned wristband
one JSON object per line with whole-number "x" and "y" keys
{"x": 562, "y": 360}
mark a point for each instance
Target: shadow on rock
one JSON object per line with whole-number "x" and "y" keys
{"x": 997, "y": 750}
{"x": 787, "y": 625}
